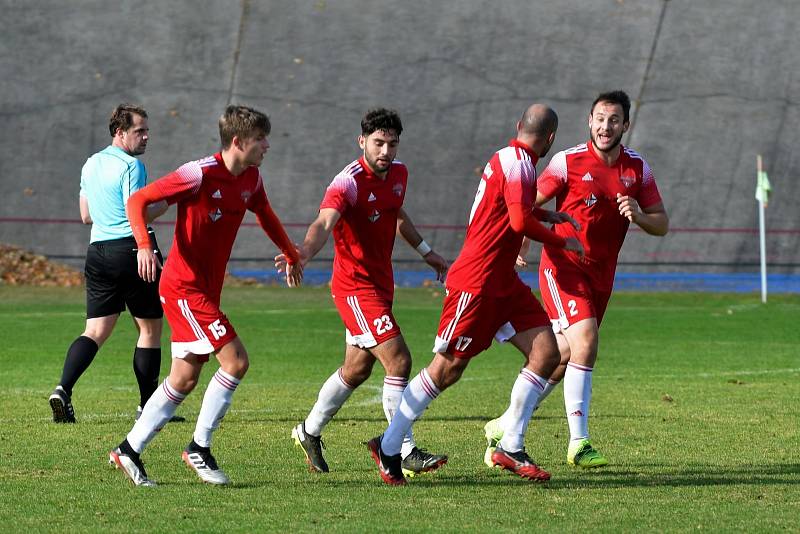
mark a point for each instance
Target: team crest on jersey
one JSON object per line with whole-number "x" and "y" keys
{"x": 246, "y": 195}
{"x": 587, "y": 178}
{"x": 591, "y": 201}
{"x": 216, "y": 194}
{"x": 374, "y": 216}
{"x": 397, "y": 189}
{"x": 215, "y": 215}
{"x": 627, "y": 181}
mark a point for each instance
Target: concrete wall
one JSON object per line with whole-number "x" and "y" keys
{"x": 715, "y": 82}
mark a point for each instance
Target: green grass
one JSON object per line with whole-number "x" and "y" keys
{"x": 695, "y": 405}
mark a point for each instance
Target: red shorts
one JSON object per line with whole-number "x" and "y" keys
{"x": 198, "y": 325}
{"x": 568, "y": 296}
{"x": 368, "y": 319}
{"x": 469, "y": 322}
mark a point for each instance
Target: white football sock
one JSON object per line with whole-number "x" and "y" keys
{"x": 160, "y": 407}
{"x": 528, "y": 387}
{"x": 577, "y": 396}
{"x": 393, "y": 387}
{"x": 332, "y": 395}
{"x": 216, "y": 402}
{"x": 417, "y": 396}
{"x": 550, "y": 386}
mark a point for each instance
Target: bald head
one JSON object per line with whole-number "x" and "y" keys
{"x": 537, "y": 128}
{"x": 539, "y": 120}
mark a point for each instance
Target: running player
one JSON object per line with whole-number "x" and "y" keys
{"x": 212, "y": 195}
{"x": 487, "y": 300}
{"x": 604, "y": 186}
{"x": 363, "y": 207}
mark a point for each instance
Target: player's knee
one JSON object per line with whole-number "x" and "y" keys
{"x": 183, "y": 384}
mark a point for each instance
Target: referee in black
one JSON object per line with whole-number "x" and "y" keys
{"x": 108, "y": 178}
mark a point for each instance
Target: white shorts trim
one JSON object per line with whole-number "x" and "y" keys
{"x": 181, "y": 349}
{"x": 364, "y": 341}
{"x": 505, "y": 332}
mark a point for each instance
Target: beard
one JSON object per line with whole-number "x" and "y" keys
{"x": 614, "y": 143}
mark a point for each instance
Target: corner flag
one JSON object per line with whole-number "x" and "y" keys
{"x": 763, "y": 188}
{"x": 762, "y": 195}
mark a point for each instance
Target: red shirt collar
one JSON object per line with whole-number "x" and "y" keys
{"x": 518, "y": 144}
{"x": 593, "y": 152}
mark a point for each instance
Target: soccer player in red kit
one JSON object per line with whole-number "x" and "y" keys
{"x": 487, "y": 300}
{"x": 604, "y": 186}
{"x": 363, "y": 207}
{"x": 212, "y": 195}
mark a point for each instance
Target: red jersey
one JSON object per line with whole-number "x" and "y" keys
{"x": 586, "y": 188}
{"x": 211, "y": 205}
{"x": 364, "y": 235}
{"x": 485, "y": 265}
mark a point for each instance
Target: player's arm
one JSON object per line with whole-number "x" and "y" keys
{"x": 406, "y": 228}
{"x": 156, "y": 210}
{"x": 652, "y": 219}
{"x": 316, "y": 237}
{"x": 273, "y": 227}
{"x": 136, "y": 209}
{"x": 523, "y": 221}
{"x": 83, "y": 204}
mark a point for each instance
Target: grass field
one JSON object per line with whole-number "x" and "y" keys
{"x": 695, "y": 405}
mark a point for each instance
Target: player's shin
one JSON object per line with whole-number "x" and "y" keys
{"x": 216, "y": 401}
{"x": 332, "y": 395}
{"x": 393, "y": 387}
{"x": 156, "y": 412}
{"x": 419, "y": 393}
{"x": 528, "y": 389}
{"x": 577, "y": 397}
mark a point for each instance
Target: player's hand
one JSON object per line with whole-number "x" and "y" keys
{"x": 574, "y": 245}
{"x": 438, "y": 263}
{"x": 281, "y": 263}
{"x": 628, "y": 207}
{"x": 558, "y": 217}
{"x": 523, "y": 251}
{"x": 294, "y": 274}
{"x": 148, "y": 264}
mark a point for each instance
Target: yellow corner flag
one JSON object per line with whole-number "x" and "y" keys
{"x": 763, "y": 188}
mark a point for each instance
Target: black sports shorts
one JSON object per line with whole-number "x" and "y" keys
{"x": 113, "y": 282}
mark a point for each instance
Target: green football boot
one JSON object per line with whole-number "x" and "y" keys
{"x": 581, "y": 454}
{"x": 494, "y": 433}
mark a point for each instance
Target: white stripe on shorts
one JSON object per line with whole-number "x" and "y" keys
{"x": 187, "y": 314}
{"x": 562, "y": 321}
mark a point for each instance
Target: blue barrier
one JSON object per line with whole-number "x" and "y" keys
{"x": 710, "y": 282}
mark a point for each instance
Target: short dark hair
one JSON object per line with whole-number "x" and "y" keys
{"x": 241, "y": 121}
{"x": 615, "y": 97}
{"x": 381, "y": 119}
{"x": 122, "y": 117}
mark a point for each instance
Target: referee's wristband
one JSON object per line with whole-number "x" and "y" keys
{"x": 423, "y": 248}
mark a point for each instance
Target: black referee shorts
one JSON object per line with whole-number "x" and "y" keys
{"x": 113, "y": 281}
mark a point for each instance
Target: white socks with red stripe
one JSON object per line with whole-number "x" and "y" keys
{"x": 528, "y": 388}
{"x": 332, "y": 395}
{"x": 393, "y": 388}
{"x": 417, "y": 396}
{"x": 159, "y": 409}
{"x": 577, "y": 396}
{"x": 216, "y": 402}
